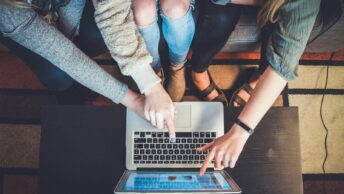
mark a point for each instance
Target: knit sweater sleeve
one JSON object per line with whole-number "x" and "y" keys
{"x": 116, "y": 23}
{"x": 25, "y": 27}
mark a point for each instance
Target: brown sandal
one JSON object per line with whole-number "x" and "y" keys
{"x": 253, "y": 76}
{"x": 236, "y": 98}
{"x": 212, "y": 86}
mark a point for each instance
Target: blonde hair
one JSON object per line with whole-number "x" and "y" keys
{"x": 269, "y": 12}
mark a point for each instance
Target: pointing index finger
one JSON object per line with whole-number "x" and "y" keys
{"x": 207, "y": 162}
{"x": 171, "y": 130}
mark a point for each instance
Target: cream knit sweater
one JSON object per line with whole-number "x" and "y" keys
{"x": 116, "y": 23}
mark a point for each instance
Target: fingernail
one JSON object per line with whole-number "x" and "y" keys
{"x": 172, "y": 139}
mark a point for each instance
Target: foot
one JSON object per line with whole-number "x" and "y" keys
{"x": 176, "y": 83}
{"x": 202, "y": 81}
{"x": 243, "y": 94}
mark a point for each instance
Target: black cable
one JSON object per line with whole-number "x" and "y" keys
{"x": 323, "y": 122}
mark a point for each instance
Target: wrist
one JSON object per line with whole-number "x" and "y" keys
{"x": 239, "y": 131}
{"x": 130, "y": 99}
{"x": 243, "y": 126}
{"x": 155, "y": 88}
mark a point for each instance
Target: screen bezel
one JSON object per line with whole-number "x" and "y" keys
{"x": 230, "y": 181}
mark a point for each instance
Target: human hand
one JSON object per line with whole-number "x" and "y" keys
{"x": 135, "y": 102}
{"x": 225, "y": 149}
{"x": 159, "y": 109}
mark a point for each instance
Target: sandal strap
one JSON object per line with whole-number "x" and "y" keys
{"x": 204, "y": 93}
{"x": 247, "y": 88}
{"x": 239, "y": 100}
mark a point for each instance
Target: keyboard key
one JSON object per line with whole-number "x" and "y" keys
{"x": 156, "y": 157}
{"x": 183, "y": 134}
{"x": 153, "y": 151}
{"x": 153, "y": 134}
{"x": 196, "y": 134}
{"x": 178, "y": 140}
{"x": 139, "y": 140}
{"x": 162, "y": 157}
{"x": 160, "y": 134}
{"x": 207, "y": 140}
{"x": 182, "y": 152}
{"x": 161, "y": 141}
{"x": 136, "y": 151}
{"x": 159, "y": 152}
{"x": 175, "y": 146}
{"x": 152, "y": 146}
{"x": 169, "y": 146}
{"x": 166, "y": 140}
{"x": 150, "y": 157}
{"x": 155, "y": 140}
{"x": 213, "y": 134}
{"x": 140, "y": 146}
{"x": 183, "y": 140}
{"x": 170, "y": 151}
{"x": 154, "y": 162}
{"x": 144, "y": 157}
{"x": 136, "y": 133}
{"x": 189, "y": 140}
{"x": 187, "y": 146}
{"x": 188, "y": 151}
{"x": 201, "y": 134}
{"x": 149, "y": 140}
{"x": 181, "y": 146}
{"x": 137, "y": 157}
{"x": 157, "y": 146}
{"x": 146, "y": 146}
{"x": 160, "y": 162}
{"x": 192, "y": 146}
{"x": 168, "y": 157}
{"x": 207, "y": 134}
{"x": 142, "y": 151}
{"x": 148, "y": 152}
{"x": 164, "y": 152}
{"x": 163, "y": 146}
{"x": 176, "y": 151}
{"x": 195, "y": 141}
{"x": 136, "y": 162}
{"x": 142, "y": 134}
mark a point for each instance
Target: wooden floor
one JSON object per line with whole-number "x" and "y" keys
{"x": 22, "y": 95}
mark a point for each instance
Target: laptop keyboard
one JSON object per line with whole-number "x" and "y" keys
{"x": 156, "y": 148}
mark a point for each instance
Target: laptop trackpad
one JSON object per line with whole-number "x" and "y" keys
{"x": 183, "y": 116}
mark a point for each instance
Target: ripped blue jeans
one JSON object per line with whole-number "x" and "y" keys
{"x": 178, "y": 34}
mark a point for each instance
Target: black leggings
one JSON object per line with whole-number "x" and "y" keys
{"x": 215, "y": 24}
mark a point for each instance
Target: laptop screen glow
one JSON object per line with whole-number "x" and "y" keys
{"x": 175, "y": 181}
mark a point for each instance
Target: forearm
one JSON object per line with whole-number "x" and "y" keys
{"x": 115, "y": 21}
{"x": 52, "y": 45}
{"x": 268, "y": 88}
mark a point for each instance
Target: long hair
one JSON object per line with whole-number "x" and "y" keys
{"x": 269, "y": 12}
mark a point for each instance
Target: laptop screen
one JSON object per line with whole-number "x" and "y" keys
{"x": 175, "y": 181}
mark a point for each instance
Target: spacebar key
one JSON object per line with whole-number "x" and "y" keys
{"x": 183, "y": 134}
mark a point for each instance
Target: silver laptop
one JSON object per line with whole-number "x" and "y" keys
{"x": 155, "y": 165}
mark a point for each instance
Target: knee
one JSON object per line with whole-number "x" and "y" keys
{"x": 175, "y": 9}
{"x": 144, "y": 12}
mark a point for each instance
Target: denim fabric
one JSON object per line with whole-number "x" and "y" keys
{"x": 289, "y": 36}
{"x": 178, "y": 34}
{"x": 284, "y": 42}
